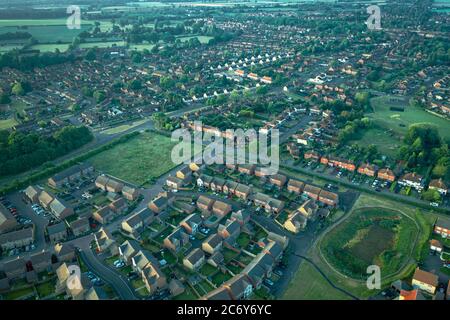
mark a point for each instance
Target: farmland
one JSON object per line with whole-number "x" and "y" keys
{"x": 398, "y": 122}
{"x": 144, "y": 157}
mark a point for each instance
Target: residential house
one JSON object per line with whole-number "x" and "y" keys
{"x": 248, "y": 169}
{"x": 311, "y": 155}
{"x": 425, "y": 281}
{"x": 295, "y": 222}
{"x": 194, "y": 260}
{"x": 438, "y": 185}
{"x": 101, "y": 182}
{"x": 204, "y": 181}
{"x": 64, "y": 252}
{"x": 217, "y": 184}
{"x": 130, "y": 193}
{"x": 295, "y": 186}
{"x": 204, "y": 203}
{"x": 176, "y": 240}
{"x": 138, "y": 221}
{"x": 312, "y": 191}
{"x": 386, "y": 174}
{"x": 239, "y": 287}
{"x": 220, "y": 293}
{"x": 229, "y": 187}
{"x": 220, "y": 208}
{"x": 184, "y": 174}
{"x": 80, "y": 226}
{"x": 128, "y": 250}
{"x": 103, "y": 215}
{"x": 95, "y": 294}
{"x": 7, "y": 220}
{"x": 114, "y": 186}
{"x": 60, "y": 209}
{"x": 159, "y": 204}
{"x": 45, "y": 198}
{"x": 141, "y": 259}
{"x": 104, "y": 241}
{"x": 435, "y": 245}
{"x": 174, "y": 182}
{"x": 57, "y": 232}
{"x": 15, "y": 268}
{"x": 412, "y": 180}
{"x": 229, "y": 231}
{"x": 153, "y": 278}
{"x": 242, "y": 191}
{"x": 242, "y": 216}
{"x": 278, "y": 180}
{"x": 442, "y": 227}
{"x": 308, "y": 209}
{"x": 329, "y": 198}
{"x": 212, "y": 244}
{"x": 41, "y": 261}
{"x": 216, "y": 259}
{"x": 16, "y": 239}
{"x": 32, "y": 193}
{"x": 367, "y": 169}
{"x": 191, "y": 223}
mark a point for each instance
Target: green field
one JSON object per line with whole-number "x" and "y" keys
{"x": 102, "y": 44}
{"x": 49, "y": 33}
{"x": 124, "y": 127}
{"x": 308, "y": 284}
{"x": 202, "y": 39}
{"x": 387, "y": 143}
{"x": 144, "y": 157}
{"x": 371, "y": 236}
{"x": 398, "y": 122}
{"x": 50, "y": 47}
{"x": 7, "y": 124}
{"x": 141, "y": 47}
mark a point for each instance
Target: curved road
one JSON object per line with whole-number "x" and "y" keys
{"x": 120, "y": 285}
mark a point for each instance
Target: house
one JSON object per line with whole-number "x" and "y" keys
{"x": 216, "y": 259}
{"x": 386, "y": 174}
{"x": 32, "y": 193}
{"x": 220, "y": 293}
{"x": 141, "y": 259}
{"x": 412, "y": 180}
{"x": 194, "y": 260}
{"x": 295, "y": 222}
{"x": 194, "y": 167}
{"x": 248, "y": 169}
{"x": 439, "y": 186}
{"x": 329, "y": 198}
{"x": 128, "y": 250}
{"x": 114, "y": 186}
{"x": 278, "y": 180}
{"x": 159, "y": 204}
{"x": 442, "y": 227}
{"x": 269, "y": 204}
{"x": 69, "y": 175}
{"x": 435, "y": 245}
{"x": 241, "y": 216}
{"x": 204, "y": 203}
{"x": 212, "y": 244}
{"x": 16, "y": 239}
{"x": 217, "y": 184}
{"x": 64, "y": 252}
{"x": 118, "y": 206}
{"x": 41, "y": 261}
{"x": 176, "y": 240}
{"x": 104, "y": 241}
{"x": 229, "y": 231}
{"x": 103, "y": 215}
{"x": 425, "y": 281}
{"x": 312, "y": 191}
{"x": 174, "y": 182}
{"x": 57, "y": 232}
{"x": 242, "y": 191}
{"x": 204, "y": 180}
{"x": 15, "y": 269}
{"x": 101, "y": 182}
{"x": 410, "y": 295}
{"x": 191, "y": 223}
{"x": 80, "y": 226}
{"x": 220, "y": 208}
{"x": 308, "y": 209}
{"x": 138, "y": 221}
{"x": 45, "y": 198}
{"x": 367, "y": 169}
{"x": 61, "y": 209}
{"x": 95, "y": 294}
{"x": 313, "y": 155}
{"x": 78, "y": 284}
{"x": 130, "y": 193}
{"x": 229, "y": 187}
{"x": 239, "y": 287}
{"x": 153, "y": 278}
{"x": 7, "y": 220}
{"x": 295, "y": 186}
{"x": 176, "y": 287}
{"x": 184, "y": 173}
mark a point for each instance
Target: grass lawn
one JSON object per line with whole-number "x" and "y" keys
{"x": 144, "y": 157}
{"x": 188, "y": 294}
{"x": 102, "y": 44}
{"x": 220, "y": 278}
{"x": 398, "y": 121}
{"x": 202, "y": 39}
{"x": 243, "y": 240}
{"x": 13, "y": 295}
{"x": 124, "y": 127}
{"x": 51, "y": 47}
{"x": 7, "y": 124}
{"x": 49, "y": 33}
{"x": 386, "y": 142}
{"x": 46, "y": 288}
{"x": 308, "y": 284}
{"x": 36, "y": 22}
{"x": 207, "y": 270}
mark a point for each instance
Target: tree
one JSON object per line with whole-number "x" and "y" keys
{"x": 17, "y": 89}
{"x": 4, "y": 98}
{"x": 431, "y": 195}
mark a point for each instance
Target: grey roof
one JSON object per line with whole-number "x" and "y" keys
{"x": 56, "y": 228}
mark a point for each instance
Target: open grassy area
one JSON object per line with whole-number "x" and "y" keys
{"x": 51, "y": 47}
{"x": 308, "y": 284}
{"x": 144, "y": 157}
{"x": 17, "y": 294}
{"x": 46, "y": 288}
{"x": 102, "y": 44}
{"x": 202, "y": 39}
{"x": 124, "y": 127}
{"x": 399, "y": 121}
{"x": 386, "y": 142}
{"x": 7, "y": 124}
{"x": 48, "y": 33}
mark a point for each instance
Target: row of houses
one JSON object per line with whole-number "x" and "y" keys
{"x": 70, "y": 175}
{"x": 111, "y": 184}
{"x": 7, "y": 221}
{"x": 61, "y": 231}
{"x": 58, "y": 207}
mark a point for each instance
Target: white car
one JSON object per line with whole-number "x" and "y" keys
{"x": 434, "y": 204}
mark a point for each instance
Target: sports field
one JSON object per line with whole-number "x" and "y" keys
{"x": 399, "y": 121}
{"x": 143, "y": 157}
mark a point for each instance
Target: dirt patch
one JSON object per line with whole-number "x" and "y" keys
{"x": 377, "y": 240}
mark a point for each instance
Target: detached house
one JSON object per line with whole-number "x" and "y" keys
{"x": 439, "y": 186}
{"x": 153, "y": 278}
{"x": 194, "y": 260}
{"x": 425, "y": 281}
{"x": 212, "y": 244}
{"x": 138, "y": 221}
{"x": 295, "y": 222}
{"x": 411, "y": 180}
{"x": 191, "y": 223}
{"x": 128, "y": 250}
{"x": 176, "y": 240}
{"x": 229, "y": 231}
{"x": 32, "y": 193}
{"x": 442, "y": 227}
{"x": 141, "y": 259}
